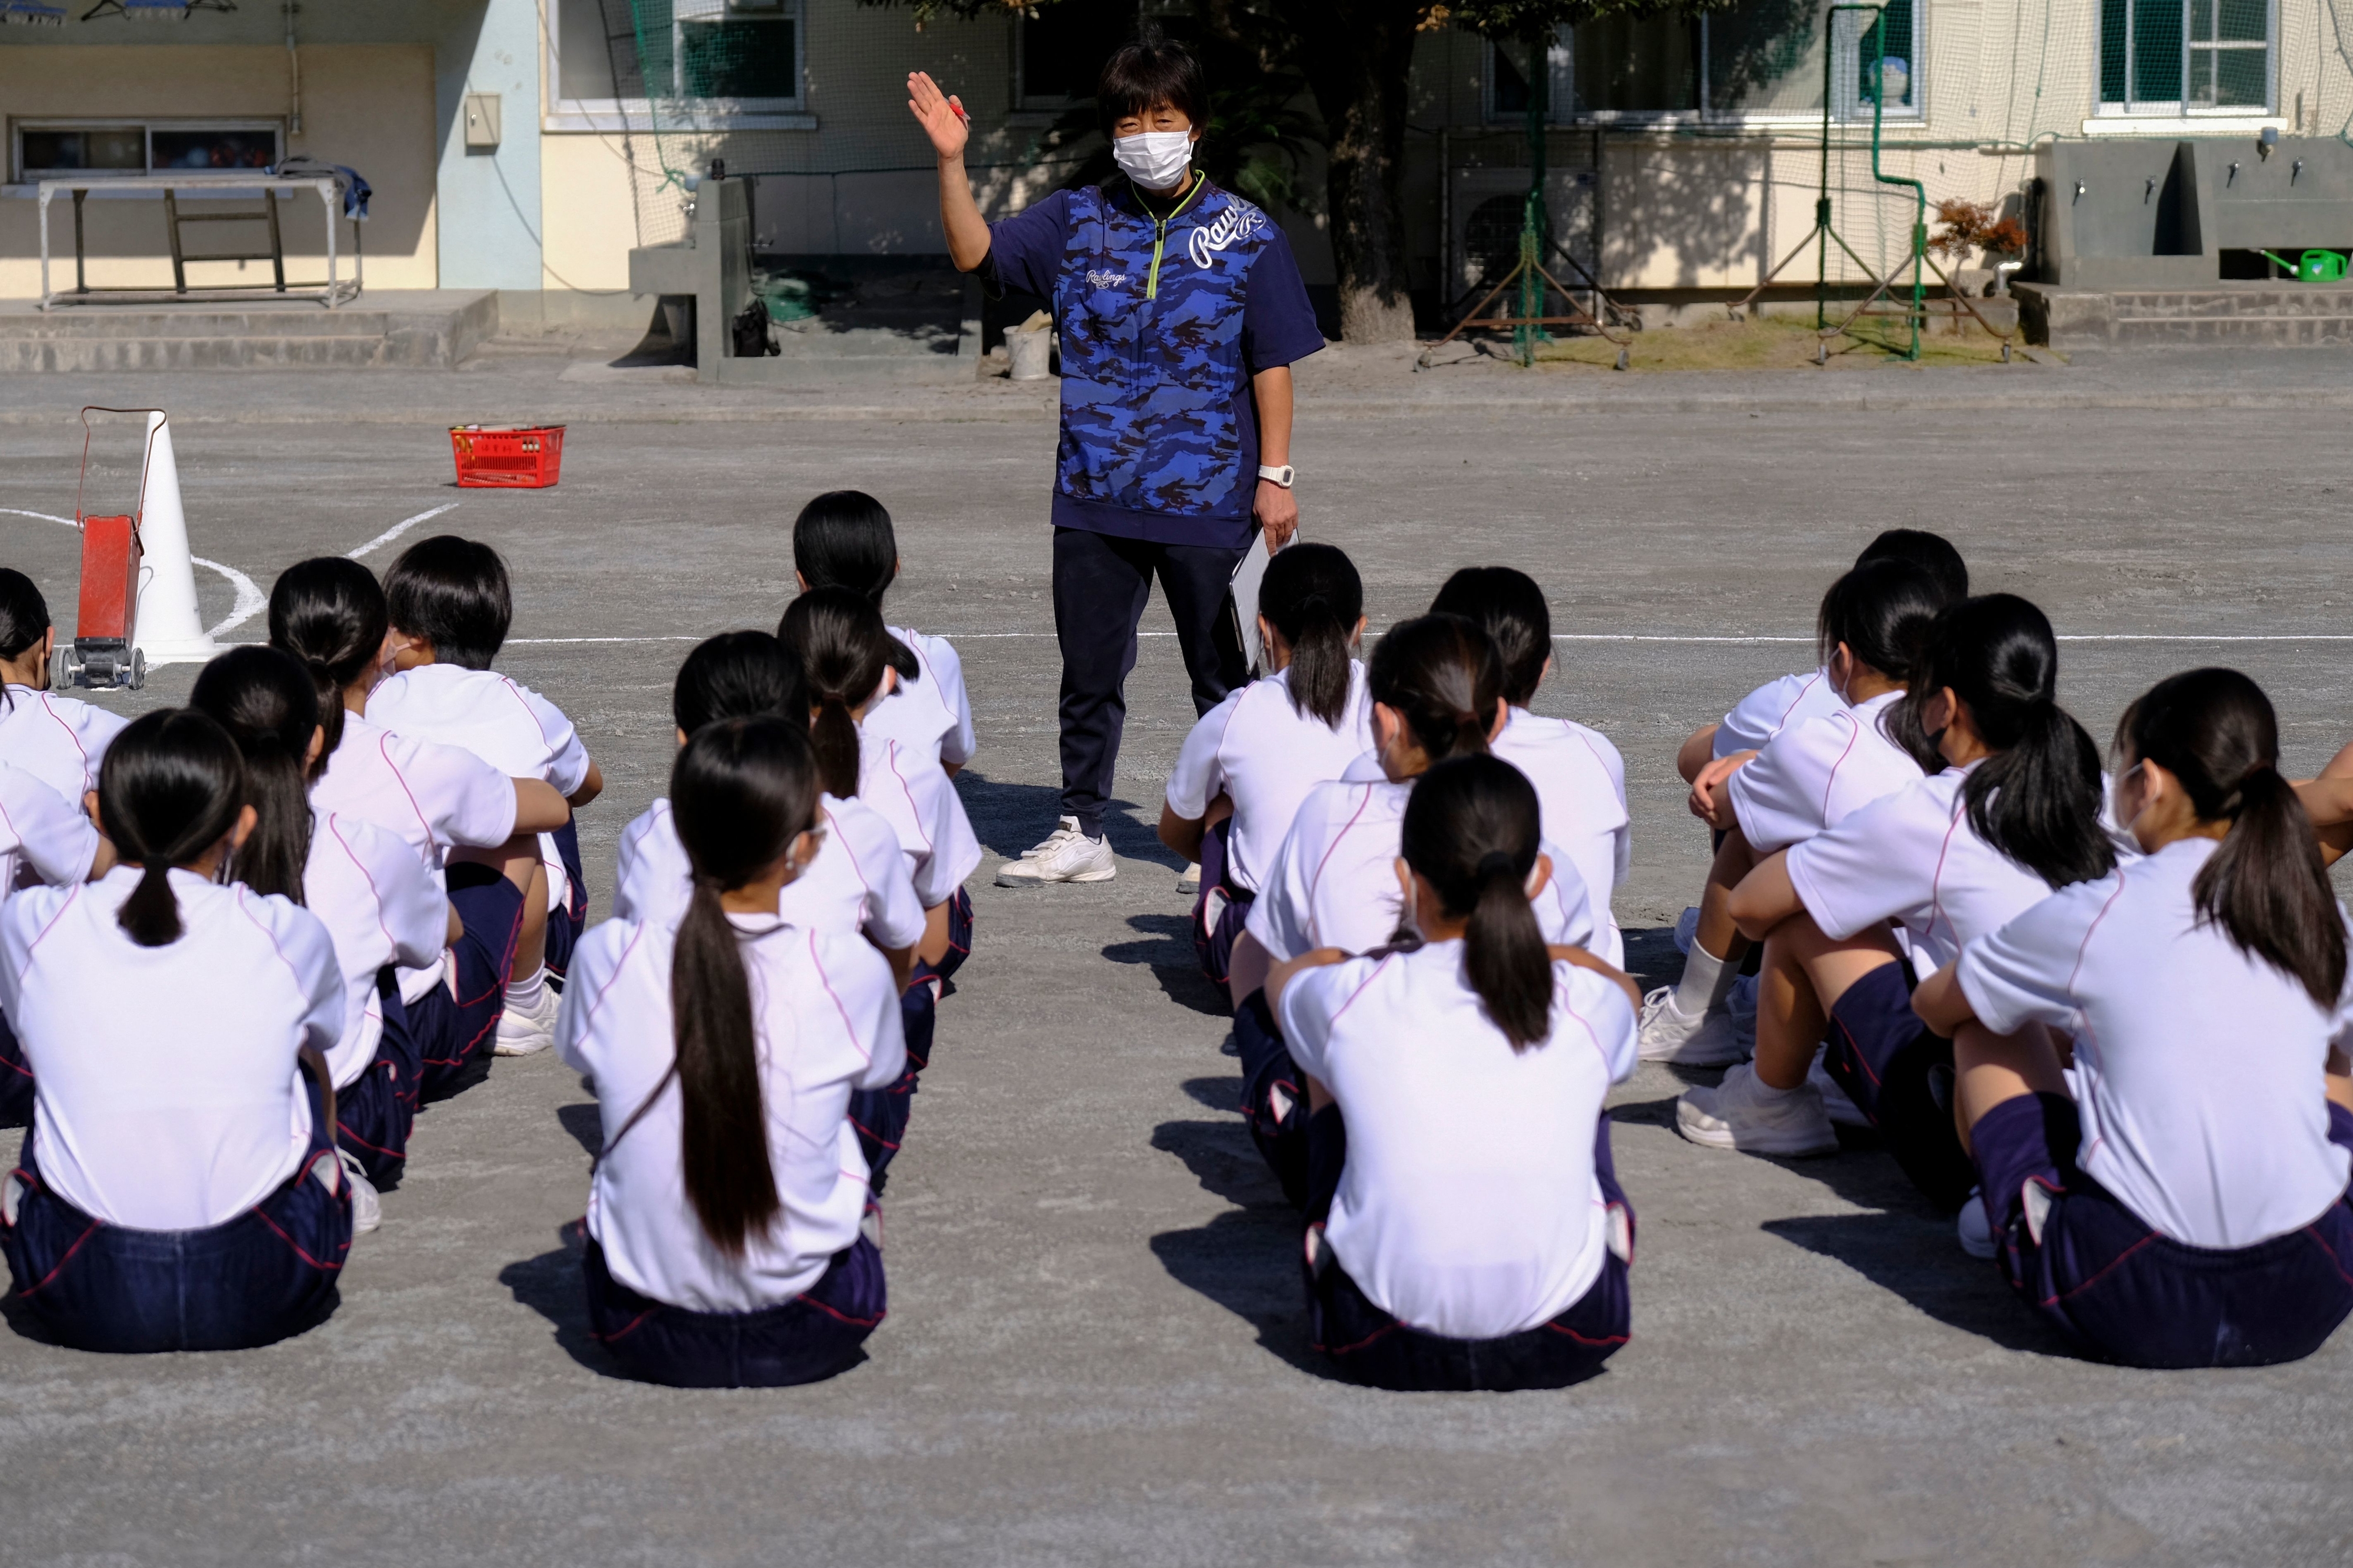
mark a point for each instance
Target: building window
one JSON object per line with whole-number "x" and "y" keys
{"x": 2185, "y": 57}
{"x": 714, "y": 65}
{"x": 1059, "y": 53}
{"x": 116, "y": 148}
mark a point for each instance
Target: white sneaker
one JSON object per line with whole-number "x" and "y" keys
{"x": 1972, "y": 1229}
{"x": 1066, "y": 856}
{"x": 368, "y": 1211}
{"x": 1671, "y": 1035}
{"x": 1837, "y": 1104}
{"x": 523, "y": 1034}
{"x": 1741, "y": 1113}
{"x": 1188, "y": 881}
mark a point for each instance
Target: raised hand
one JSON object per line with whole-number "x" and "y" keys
{"x": 940, "y": 115}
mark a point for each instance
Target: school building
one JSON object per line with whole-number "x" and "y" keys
{"x": 526, "y": 146}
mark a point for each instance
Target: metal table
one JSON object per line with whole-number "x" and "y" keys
{"x": 335, "y": 291}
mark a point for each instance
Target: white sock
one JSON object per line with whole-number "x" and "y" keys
{"x": 1766, "y": 1091}
{"x": 523, "y": 995}
{"x": 1706, "y": 979}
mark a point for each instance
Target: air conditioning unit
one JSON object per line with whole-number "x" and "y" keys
{"x": 1485, "y": 209}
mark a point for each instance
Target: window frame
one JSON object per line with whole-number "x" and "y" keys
{"x": 612, "y": 115}
{"x": 2183, "y": 108}
{"x": 146, "y": 125}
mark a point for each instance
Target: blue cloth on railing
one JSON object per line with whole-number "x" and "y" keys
{"x": 356, "y": 190}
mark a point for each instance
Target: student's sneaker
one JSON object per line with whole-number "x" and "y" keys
{"x": 526, "y": 1034}
{"x": 1066, "y": 856}
{"x": 368, "y": 1211}
{"x": 1188, "y": 881}
{"x": 1972, "y": 1229}
{"x": 1671, "y": 1035}
{"x": 1836, "y": 1102}
{"x": 1741, "y": 1113}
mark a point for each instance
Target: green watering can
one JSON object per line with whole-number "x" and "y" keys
{"x": 2312, "y": 265}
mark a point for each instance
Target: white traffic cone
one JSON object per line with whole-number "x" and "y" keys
{"x": 170, "y": 628}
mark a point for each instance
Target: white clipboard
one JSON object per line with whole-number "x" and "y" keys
{"x": 1241, "y": 601}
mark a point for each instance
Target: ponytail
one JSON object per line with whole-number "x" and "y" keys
{"x": 23, "y": 618}
{"x": 1312, "y": 595}
{"x": 170, "y": 789}
{"x": 2265, "y": 886}
{"x": 843, "y": 649}
{"x": 268, "y": 703}
{"x": 1470, "y": 831}
{"x": 1508, "y": 606}
{"x": 329, "y": 612}
{"x": 1440, "y": 675}
{"x": 1882, "y": 610}
{"x": 741, "y": 793}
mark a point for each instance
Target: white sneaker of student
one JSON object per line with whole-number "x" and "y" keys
{"x": 1188, "y": 881}
{"x": 1066, "y": 856}
{"x": 1742, "y": 1113}
{"x": 1972, "y": 1229}
{"x": 367, "y": 1210}
{"x": 1671, "y": 1035}
{"x": 527, "y": 1033}
{"x": 1837, "y": 1104}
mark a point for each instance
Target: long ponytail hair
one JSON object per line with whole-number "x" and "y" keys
{"x": 2214, "y": 730}
{"x": 2037, "y": 798}
{"x": 1312, "y": 595}
{"x": 1471, "y": 830}
{"x": 742, "y": 791}
{"x": 329, "y": 613}
{"x": 1442, "y": 676}
{"x": 170, "y": 788}
{"x": 269, "y": 706}
{"x": 23, "y": 618}
{"x": 843, "y": 649}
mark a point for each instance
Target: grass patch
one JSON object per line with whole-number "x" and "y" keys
{"x": 1775, "y": 343}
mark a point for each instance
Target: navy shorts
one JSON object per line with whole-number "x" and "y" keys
{"x": 1274, "y": 1095}
{"x": 375, "y": 1111}
{"x": 1220, "y": 908}
{"x": 1369, "y": 1346}
{"x": 15, "y": 1080}
{"x": 491, "y": 908}
{"x": 565, "y": 925}
{"x": 2119, "y": 1291}
{"x": 252, "y": 1280}
{"x": 959, "y": 939}
{"x": 1900, "y": 1076}
{"x": 813, "y": 1336}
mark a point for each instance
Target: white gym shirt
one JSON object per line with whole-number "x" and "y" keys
{"x": 827, "y": 1018}
{"x": 856, "y": 881}
{"x": 931, "y": 715}
{"x": 59, "y": 740}
{"x": 1814, "y": 774}
{"x": 2199, "y": 1067}
{"x": 166, "y": 1093}
{"x": 923, "y": 809}
{"x": 1259, "y": 749}
{"x": 1774, "y": 707}
{"x": 381, "y": 906}
{"x": 1581, "y": 784}
{"x": 44, "y": 837}
{"x": 435, "y": 797}
{"x": 1468, "y": 1206}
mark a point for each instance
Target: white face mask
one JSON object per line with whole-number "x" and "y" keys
{"x": 1155, "y": 160}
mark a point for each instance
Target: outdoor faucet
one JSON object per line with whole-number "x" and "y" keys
{"x": 2293, "y": 170}
{"x": 2234, "y": 173}
{"x": 2149, "y": 194}
{"x": 2079, "y": 193}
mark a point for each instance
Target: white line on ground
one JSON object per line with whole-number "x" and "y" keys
{"x": 250, "y": 600}
{"x": 397, "y": 529}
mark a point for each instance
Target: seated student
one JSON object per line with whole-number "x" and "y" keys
{"x": 843, "y": 539}
{"x": 1466, "y": 1229}
{"x": 1250, "y": 762}
{"x": 42, "y": 839}
{"x": 1806, "y": 778}
{"x": 450, "y": 606}
{"x": 2014, "y": 814}
{"x": 376, "y": 899}
{"x": 59, "y": 740}
{"x": 180, "y": 1188}
{"x": 1437, "y": 689}
{"x": 1579, "y": 778}
{"x": 475, "y": 828}
{"x": 2187, "y": 1204}
{"x": 726, "y": 1246}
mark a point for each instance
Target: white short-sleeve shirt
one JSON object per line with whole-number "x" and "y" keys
{"x": 826, "y": 1018}
{"x": 59, "y": 740}
{"x": 1333, "y": 883}
{"x": 1774, "y": 707}
{"x": 931, "y": 715}
{"x": 435, "y": 797}
{"x": 166, "y": 1095}
{"x": 1581, "y": 784}
{"x": 2199, "y": 1067}
{"x": 1814, "y": 774}
{"x": 44, "y": 837}
{"x": 857, "y": 881}
{"x": 381, "y": 906}
{"x": 923, "y": 809}
{"x": 1260, "y": 750}
{"x": 1468, "y": 1206}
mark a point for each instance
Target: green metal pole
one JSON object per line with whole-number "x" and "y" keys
{"x": 1533, "y": 223}
{"x": 1822, "y": 195}
{"x": 1919, "y": 190}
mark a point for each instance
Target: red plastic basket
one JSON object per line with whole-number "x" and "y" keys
{"x": 507, "y": 457}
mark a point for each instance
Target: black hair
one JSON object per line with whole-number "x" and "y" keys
{"x": 329, "y": 612}
{"x": 738, "y": 675}
{"x": 1507, "y": 602}
{"x": 1312, "y": 595}
{"x": 1932, "y": 552}
{"x": 269, "y": 705}
{"x": 170, "y": 788}
{"x": 1471, "y": 830}
{"x": 2265, "y": 886}
{"x": 1440, "y": 675}
{"x": 1882, "y": 611}
{"x": 1151, "y": 72}
{"x": 843, "y": 540}
{"x": 843, "y": 648}
{"x": 24, "y": 617}
{"x": 741, "y": 792}
{"x": 2037, "y": 799}
{"x": 454, "y": 593}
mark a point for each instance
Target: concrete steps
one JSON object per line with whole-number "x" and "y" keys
{"x": 420, "y": 329}
{"x": 2240, "y": 315}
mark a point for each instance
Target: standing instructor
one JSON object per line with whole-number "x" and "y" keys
{"x": 1181, "y": 312}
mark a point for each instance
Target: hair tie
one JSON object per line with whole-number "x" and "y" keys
{"x": 1495, "y": 863}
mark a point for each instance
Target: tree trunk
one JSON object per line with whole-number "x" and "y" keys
{"x": 1357, "y": 56}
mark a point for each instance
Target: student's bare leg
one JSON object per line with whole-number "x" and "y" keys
{"x": 1803, "y": 974}
{"x": 1990, "y": 1069}
{"x": 1722, "y": 939}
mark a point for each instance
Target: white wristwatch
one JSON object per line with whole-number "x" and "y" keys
{"x": 1277, "y": 473}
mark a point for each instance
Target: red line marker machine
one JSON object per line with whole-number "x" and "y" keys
{"x": 104, "y": 653}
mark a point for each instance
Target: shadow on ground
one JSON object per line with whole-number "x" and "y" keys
{"x": 550, "y": 1285}
{"x": 1247, "y": 1258}
{"x": 1168, "y": 948}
